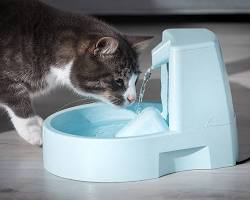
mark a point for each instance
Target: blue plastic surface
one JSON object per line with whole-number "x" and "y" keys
{"x": 136, "y": 127}
{"x": 79, "y": 142}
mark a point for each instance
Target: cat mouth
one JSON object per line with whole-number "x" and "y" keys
{"x": 117, "y": 101}
{"x": 124, "y": 102}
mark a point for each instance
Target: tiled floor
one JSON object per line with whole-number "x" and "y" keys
{"x": 22, "y": 175}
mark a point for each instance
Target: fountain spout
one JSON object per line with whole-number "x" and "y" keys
{"x": 160, "y": 54}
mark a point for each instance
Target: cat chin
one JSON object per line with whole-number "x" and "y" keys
{"x": 126, "y": 103}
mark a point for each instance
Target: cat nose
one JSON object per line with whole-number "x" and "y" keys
{"x": 131, "y": 98}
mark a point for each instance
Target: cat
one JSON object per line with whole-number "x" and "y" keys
{"x": 41, "y": 47}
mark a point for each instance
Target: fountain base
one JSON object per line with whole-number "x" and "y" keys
{"x": 72, "y": 148}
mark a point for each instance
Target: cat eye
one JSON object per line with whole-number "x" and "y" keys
{"x": 119, "y": 82}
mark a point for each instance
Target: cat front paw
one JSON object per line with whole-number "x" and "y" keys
{"x": 30, "y": 129}
{"x": 34, "y": 132}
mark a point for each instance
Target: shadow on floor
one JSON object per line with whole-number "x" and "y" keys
{"x": 238, "y": 66}
{"x": 241, "y": 100}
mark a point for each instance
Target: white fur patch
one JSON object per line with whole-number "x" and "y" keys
{"x": 30, "y": 129}
{"x": 59, "y": 75}
{"x": 56, "y": 76}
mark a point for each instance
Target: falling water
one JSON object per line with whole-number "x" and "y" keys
{"x": 142, "y": 90}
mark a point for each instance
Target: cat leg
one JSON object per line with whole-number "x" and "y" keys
{"x": 26, "y": 123}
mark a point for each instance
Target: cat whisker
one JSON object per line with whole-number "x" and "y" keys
{"x": 86, "y": 100}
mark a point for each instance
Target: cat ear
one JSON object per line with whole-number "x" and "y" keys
{"x": 106, "y": 46}
{"x": 139, "y": 43}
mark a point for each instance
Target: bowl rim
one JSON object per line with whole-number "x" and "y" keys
{"x": 47, "y": 124}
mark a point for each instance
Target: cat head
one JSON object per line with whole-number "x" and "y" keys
{"x": 108, "y": 69}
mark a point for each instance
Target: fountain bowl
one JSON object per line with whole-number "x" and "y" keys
{"x": 80, "y": 144}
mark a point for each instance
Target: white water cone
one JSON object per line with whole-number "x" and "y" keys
{"x": 149, "y": 121}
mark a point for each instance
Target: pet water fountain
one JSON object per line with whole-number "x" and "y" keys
{"x": 193, "y": 127}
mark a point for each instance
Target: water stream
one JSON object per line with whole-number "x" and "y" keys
{"x": 146, "y": 78}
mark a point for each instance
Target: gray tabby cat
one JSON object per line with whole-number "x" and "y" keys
{"x": 41, "y": 47}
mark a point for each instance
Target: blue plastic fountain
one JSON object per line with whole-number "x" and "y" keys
{"x": 80, "y": 143}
